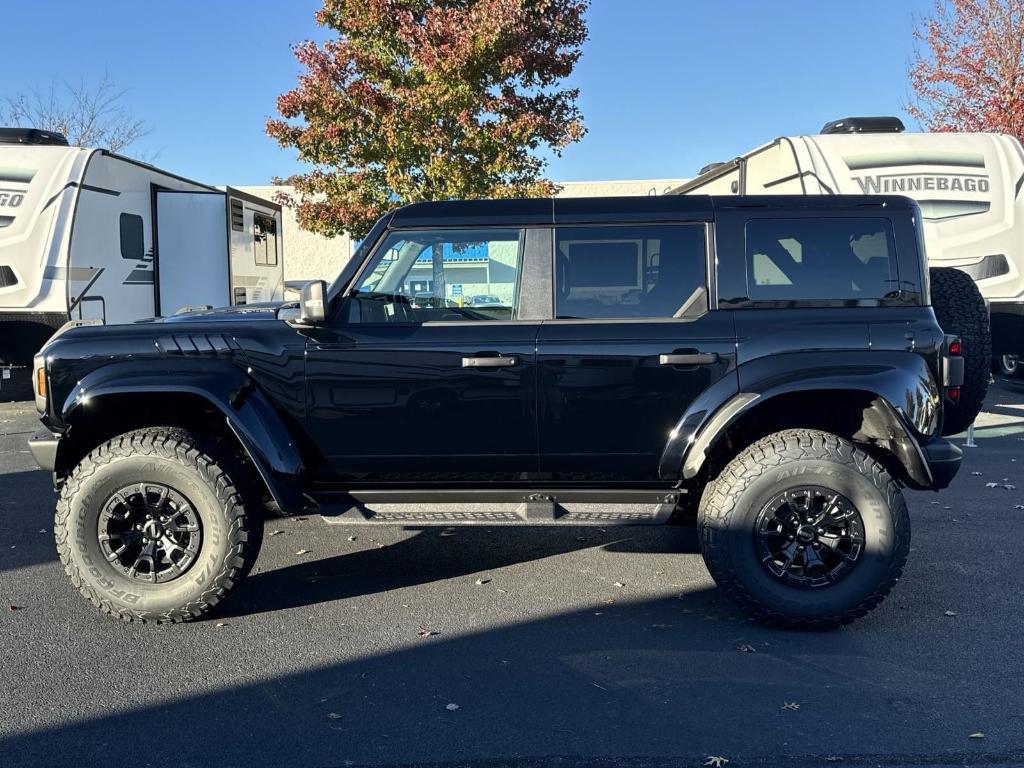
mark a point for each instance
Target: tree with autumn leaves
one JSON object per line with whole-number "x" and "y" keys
{"x": 967, "y": 73}
{"x": 429, "y": 100}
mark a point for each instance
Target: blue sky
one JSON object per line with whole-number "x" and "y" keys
{"x": 666, "y": 85}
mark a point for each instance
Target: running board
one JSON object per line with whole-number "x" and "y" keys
{"x": 502, "y": 507}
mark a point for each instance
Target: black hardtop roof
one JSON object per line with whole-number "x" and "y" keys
{"x": 610, "y": 210}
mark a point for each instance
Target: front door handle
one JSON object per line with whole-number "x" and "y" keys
{"x": 689, "y": 358}
{"x": 489, "y": 362}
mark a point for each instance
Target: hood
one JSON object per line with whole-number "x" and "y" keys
{"x": 247, "y": 313}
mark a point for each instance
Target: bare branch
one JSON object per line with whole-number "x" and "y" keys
{"x": 87, "y": 116}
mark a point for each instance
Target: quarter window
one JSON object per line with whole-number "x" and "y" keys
{"x": 624, "y": 272}
{"x": 820, "y": 259}
{"x": 424, "y": 276}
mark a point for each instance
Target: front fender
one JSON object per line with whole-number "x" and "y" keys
{"x": 908, "y": 396}
{"x": 249, "y": 414}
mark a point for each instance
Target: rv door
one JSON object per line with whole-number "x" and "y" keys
{"x": 191, "y": 252}
{"x": 257, "y": 249}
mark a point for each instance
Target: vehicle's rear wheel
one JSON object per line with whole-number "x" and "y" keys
{"x": 150, "y": 527}
{"x": 960, "y": 309}
{"x": 804, "y": 529}
{"x": 1007, "y": 365}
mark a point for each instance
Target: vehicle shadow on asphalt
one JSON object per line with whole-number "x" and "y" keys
{"x": 427, "y": 557}
{"x": 26, "y": 513}
{"x": 685, "y": 676}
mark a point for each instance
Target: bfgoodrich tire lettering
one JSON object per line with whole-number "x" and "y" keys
{"x": 230, "y": 537}
{"x": 792, "y": 459}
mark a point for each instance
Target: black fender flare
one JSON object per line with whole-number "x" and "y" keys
{"x": 231, "y": 390}
{"x": 906, "y": 402}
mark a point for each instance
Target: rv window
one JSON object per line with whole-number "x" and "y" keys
{"x": 820, "y": 259}
{"x": 622, "y": 272}
{"x": 264, "y": 231}
{"x": 133, "y": 244}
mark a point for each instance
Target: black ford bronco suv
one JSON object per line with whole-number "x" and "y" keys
{"x": 768, "y": 366}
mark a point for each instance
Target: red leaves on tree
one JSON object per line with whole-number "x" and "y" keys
{"x": 968, "y": 69}
{"x": 429, "y": 100}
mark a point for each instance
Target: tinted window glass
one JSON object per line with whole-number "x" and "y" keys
{"x": 622, "y": 272}
{"x": 820, "y": 259}
{"x": 133, "y": 245}
{"x": 440, "y": 275}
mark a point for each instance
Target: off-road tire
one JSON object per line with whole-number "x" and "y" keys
{"x": 730, "y": 505}
{"x": 960, "y": 309}
{"x": 231, "y": 537}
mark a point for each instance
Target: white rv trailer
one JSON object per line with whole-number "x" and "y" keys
{"x": 968, "y": 185}
{"x": 86, "y": 233}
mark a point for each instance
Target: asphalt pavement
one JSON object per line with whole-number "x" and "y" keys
{"x": 540, "y": 648}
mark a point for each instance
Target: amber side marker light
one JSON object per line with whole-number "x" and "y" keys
{"x": 41, "y": 382}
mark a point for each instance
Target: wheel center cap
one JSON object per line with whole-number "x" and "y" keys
{"x": 153, "y": 529}
{"x": 806, "y": 533}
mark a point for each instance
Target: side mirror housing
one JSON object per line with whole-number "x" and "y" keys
{"x": 313, "y": 303}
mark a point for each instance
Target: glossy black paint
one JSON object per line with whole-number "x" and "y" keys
{"x": 588, "y": 403}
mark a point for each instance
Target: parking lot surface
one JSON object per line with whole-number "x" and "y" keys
{"x": 516, "y": 646}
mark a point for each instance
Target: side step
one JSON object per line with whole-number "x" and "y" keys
{"x": 503, "y": 507}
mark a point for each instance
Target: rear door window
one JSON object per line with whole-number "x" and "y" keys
{"x": 650, "y": 271}
{"x": 820, "y": 259}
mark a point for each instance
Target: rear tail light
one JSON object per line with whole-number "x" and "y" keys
{"x": 954, "y": 394}
{"x": 956, "y": 347}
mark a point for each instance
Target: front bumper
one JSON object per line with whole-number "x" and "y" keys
{"x": 943, "y": 460}
{"x": 44, "y": 449}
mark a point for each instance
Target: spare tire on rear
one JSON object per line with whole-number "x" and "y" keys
{"x": 960, "y": 309}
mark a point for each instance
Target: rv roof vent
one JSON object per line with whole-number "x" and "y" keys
{"x": 709, "y": 167}
{"x": 865, "y": 125}
{"x": 31, "y": 136}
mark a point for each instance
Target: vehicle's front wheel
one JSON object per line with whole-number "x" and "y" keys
{"x": 804, "y": 529}
{"x": 150, "y": 527}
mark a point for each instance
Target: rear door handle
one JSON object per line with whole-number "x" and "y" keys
{"x": 689, "y": 358}
{"x": 489, "y": 362}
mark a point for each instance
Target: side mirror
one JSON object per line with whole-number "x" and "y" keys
{"x": 313, "y": 303}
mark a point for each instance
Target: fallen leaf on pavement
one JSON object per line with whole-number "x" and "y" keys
{"x": 977, "y": 735}
{"x": 791, "y": 705}
{"x": 991, "y": 485}
{"x": 352, "y": 538}
{"x": 479, "y": 582}
{"x": 1010, "y": 487}
{"x": 452, "y": 707}
{"x": 221, "y": 624}
{"x": 745, "y": 648}
{"x": 618, "y": 584}
{"x": 333, "y": 716}
{"x": 976, "y": 474}
{"x": 276, "y": 532}
{"x": 424, "y": 632}
{"x": 716, "y": 761}
{"x": 15, "y": 607}
{"x": 302, "y": 552}
{"x": 949, "y": 613}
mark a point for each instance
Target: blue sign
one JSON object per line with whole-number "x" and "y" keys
{"x": 456, "y": 289}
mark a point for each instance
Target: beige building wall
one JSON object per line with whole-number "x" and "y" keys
{"x": 308, "y": 256}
